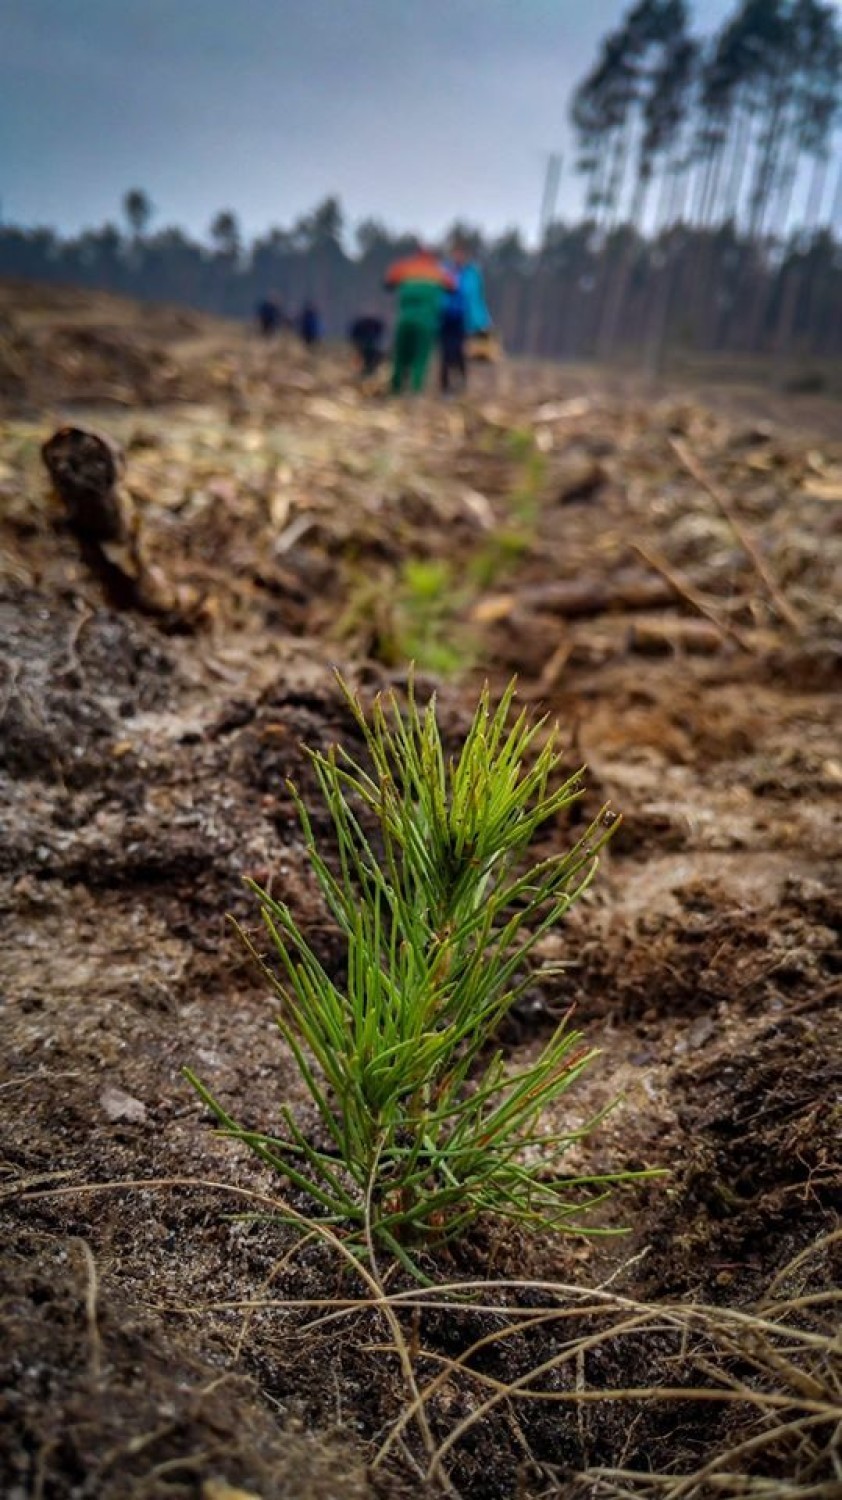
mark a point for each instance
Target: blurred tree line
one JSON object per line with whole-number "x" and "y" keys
{"x": 713, "y": 200}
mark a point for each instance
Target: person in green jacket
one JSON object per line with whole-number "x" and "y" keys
{"x": 421, "y": 283}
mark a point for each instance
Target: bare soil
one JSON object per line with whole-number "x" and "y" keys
{"x": 143, "y": 774}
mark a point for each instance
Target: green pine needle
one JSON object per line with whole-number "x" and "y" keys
{"x": 422, "y": 1125}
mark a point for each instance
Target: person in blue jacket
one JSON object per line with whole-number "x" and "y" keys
{"x": 477, "y": 316}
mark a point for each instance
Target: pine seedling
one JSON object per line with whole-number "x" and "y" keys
{"x": 419, "y": 1124}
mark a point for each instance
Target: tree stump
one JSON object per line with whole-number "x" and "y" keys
{"x": 87, "y": 471}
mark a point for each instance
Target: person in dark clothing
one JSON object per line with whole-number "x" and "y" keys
{"x": 269, "y": 316}
{"x": 366, "y": 335}
{"x": 465, "y": 320}
{"x": 452, "y": 346}
{"x": 453, "y": 328}
{"x": 309, "y": 325}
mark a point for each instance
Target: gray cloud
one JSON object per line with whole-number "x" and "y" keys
{"x": 416, "y": 111}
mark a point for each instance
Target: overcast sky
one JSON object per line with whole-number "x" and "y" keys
{"x": 414, "y": 111}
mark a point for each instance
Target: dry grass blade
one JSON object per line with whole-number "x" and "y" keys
{"x": 819, "y": 1247}
{"x": 770, "y": 1346}
{"x": 91, "y": 1296}
{"x": 779, "y": 599}
{"x": 379, "y": 1298}
{"x": 781, "y": 1380}
{"x": 691, "y": 596}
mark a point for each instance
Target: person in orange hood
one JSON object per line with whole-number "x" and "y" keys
{"x": 421, "y": 282}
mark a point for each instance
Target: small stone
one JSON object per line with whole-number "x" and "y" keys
{"x": 121, "y": 1106}
{"x": 701, "y": 1031}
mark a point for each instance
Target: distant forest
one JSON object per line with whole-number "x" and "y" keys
{"x": 713, "y": 210}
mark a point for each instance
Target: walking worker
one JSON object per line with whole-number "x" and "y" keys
{"x": 472, "y": 287}
{"x": 366, "y": 334}
{"x": 472, "y": 292}
{"x": 453, "y": 329}
{"x": 420, "y": 281}
{"x": 309, "y": 325}
{"x": 270, "y": 316}
{"x": 466, "y": 321}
